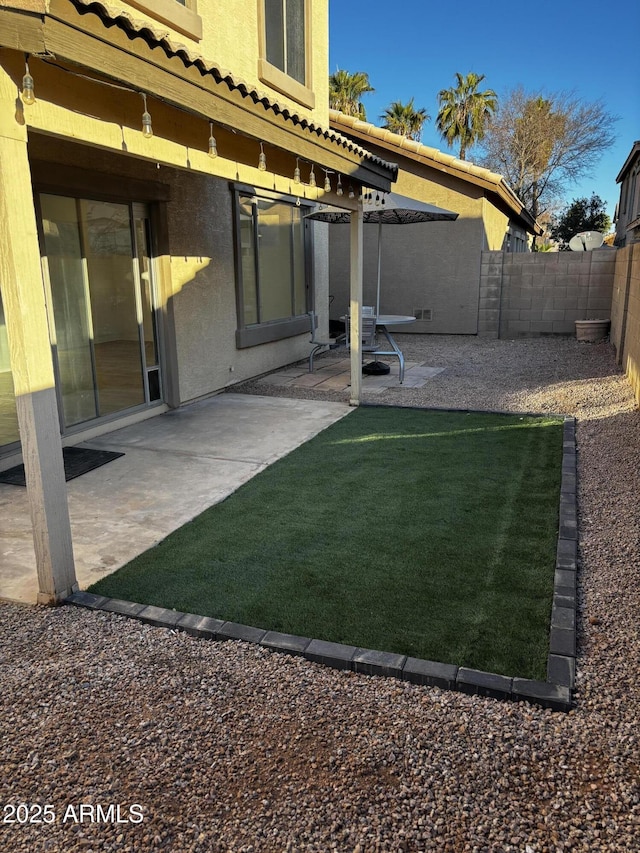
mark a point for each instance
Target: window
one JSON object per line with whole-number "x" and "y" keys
{"x": 284, "y": 36}
{"x": 285, "y": 48}
{"x": 181, "y": 15}
{"x": 272, "y": 268}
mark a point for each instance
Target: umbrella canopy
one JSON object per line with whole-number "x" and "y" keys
{"x": 386, "y": 209}
{"x": 392, "y": 209}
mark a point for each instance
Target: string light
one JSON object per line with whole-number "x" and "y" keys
{"x": 351, "y": 192}
{"x": 262, "y": 159}
{"x": 28, "y": 94}
{"x": 147, "y": 129}
{"x": 312, "y": 177}
{"x": 296, "y": 172}
{"x": 339, "y": 190}
{"x": 327, "y": 182}
{"x": 213, "y": 145}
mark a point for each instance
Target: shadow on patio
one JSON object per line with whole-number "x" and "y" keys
{"x": 174, "y": 466}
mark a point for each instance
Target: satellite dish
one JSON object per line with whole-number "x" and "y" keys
{"x": 586, "y": 240}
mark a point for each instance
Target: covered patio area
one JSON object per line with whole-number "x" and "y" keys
{"x": 174, "y": 466}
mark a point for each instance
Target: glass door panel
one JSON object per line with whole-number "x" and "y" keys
{"x": 99, "y": 280}
{"x": 8, "y": 417}
{"x": 149, "y": 326}
{"x": 109, "y": 251}
{"x": 71, "y": 329}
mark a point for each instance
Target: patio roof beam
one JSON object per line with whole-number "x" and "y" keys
{"x": 111, "y": 53}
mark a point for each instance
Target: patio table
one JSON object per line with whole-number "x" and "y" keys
{"x": 383, "y": 321}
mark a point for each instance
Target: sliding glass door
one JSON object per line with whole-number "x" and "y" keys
{"x": 100, "y": 292}
{"x": 8, "y": 416}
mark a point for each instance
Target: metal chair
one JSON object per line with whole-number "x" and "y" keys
{"x": 368, "y": 339}
{"x": 318, "y": 345}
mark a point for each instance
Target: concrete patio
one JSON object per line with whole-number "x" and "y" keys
{"x": 174, "y": 466}
{"x": 334, "y": 374}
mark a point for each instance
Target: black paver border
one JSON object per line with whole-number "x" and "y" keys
{"x": 555, "y": 693}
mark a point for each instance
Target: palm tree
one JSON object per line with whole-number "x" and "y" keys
{"x": 464, "y": 112}
{"x": 405, "y": 119}
{"x": 346, "y": 91}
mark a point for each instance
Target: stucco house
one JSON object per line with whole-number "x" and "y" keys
{"x": 156, "y": 163}
{"x": 431, "y": 270}
{"x": 627, "y": 216}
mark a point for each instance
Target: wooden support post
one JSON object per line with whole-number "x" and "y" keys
{"x": 30, "y": 356}
{"x": 355, "y": 304}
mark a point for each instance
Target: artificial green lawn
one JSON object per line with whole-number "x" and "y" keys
{"x": 427, "y": 533}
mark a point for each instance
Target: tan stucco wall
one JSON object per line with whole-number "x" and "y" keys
{"x": 434, "y": 265}
{"x": 625, "y": 313}
{"x": 230, "y": 39}
{"x": 204, "y": 296}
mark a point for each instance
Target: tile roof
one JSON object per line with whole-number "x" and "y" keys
{"x": 434, "y": 157}
{"x": 157, "y": 36}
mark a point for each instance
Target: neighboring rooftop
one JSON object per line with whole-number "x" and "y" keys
{"x": 433, "y": 157}
{"x": 635, "y": 150}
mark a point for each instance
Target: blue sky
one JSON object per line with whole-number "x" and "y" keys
{"x": 413, "y": 48}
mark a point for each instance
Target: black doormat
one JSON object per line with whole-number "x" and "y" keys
{"x": 77, "y": 461}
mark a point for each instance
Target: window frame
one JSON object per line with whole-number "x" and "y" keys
{"x": 182, "y": 17}
{"x": 275, "y": 77}
{"x": 251, "y": 335}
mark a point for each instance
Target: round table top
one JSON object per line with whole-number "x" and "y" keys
{"x": 388, "y": 319}
{"x": 394, "y": 319}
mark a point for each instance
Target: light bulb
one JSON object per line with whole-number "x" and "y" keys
{"x": 28, "y": 95}
{"x": 351, "y": 192}
{"x": 147, "y": 129}
{"x": 312, "y": 178}
{"x": 213, "y": 146}
{"x": 296, "y": 172}
{"x": 339, "y": 190}
{"x": 327, "y": 183}
{"x": 262, "y": 160}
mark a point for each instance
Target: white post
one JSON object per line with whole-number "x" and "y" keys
{"x": 30, "y": 357}
{"x": 355, "y": 304}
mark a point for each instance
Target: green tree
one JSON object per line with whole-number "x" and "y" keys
{"x": 541, "y": 144}
{"x": 405, "y": 119}
{"x": 346, "y": 91}
{"x": 464, "y": 112}
{"x": 583, "y": 214}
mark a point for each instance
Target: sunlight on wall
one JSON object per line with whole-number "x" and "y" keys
{"x": 184, "y": 270}
{"x": 633, "y": 374}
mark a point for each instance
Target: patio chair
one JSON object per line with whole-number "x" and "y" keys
{"x": 368, "y": 338}
{"x": 318, "y": 345}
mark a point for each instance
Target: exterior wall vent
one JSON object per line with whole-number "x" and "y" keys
{"x": 423, "y": 314}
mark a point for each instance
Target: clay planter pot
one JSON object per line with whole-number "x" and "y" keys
{"x": 592, "y": 330}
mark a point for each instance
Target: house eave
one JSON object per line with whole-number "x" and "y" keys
{"x": 633, "y": 154}
{"x": 439, "y": 160}
{"x": 113, "y": 43}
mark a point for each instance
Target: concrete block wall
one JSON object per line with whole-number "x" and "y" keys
{"x": 625, "y": 313}
{"x": 544, "y": 293}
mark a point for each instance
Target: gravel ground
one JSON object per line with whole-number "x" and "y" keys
{"x": 227, "y": 747}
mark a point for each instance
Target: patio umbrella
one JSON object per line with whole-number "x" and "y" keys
{"x": 386, "y": 209}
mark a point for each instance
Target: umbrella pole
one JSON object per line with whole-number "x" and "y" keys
{"x": 379, "y": 257}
